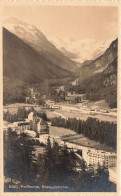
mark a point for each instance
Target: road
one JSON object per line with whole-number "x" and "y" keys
{"x": 81, "y": 113}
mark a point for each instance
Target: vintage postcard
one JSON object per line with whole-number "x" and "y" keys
{"x": 60, "y": 97}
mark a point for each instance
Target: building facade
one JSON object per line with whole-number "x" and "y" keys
{"x": 21, "y": 125}
{"x": 31, "y": 116}
{"x": 96, "y": 157}
{"x": 42, "y": 127}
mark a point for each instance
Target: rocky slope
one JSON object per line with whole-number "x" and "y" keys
{"x": 38, "y": 41}
{"x": 99, "y": 64}
{"x": 21, "y": 61}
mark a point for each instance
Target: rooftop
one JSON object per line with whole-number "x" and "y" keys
{"x": 99, "y": 152}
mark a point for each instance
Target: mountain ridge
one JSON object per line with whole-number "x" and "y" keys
{"x": 38, "y": 41}
{"x": 99, "y": 64}
{"x": 82, "y": 50}
{"x": 21, "y": 61}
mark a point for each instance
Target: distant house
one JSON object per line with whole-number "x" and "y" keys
{"x": 57, "y": 90}
{"x": 69, "y": 93}
{"x": 50, "y": 103}
{"x": 37, "y": 124}
{"x": 75, "y": 82}
{"x": 55, "y": 107}
{"x": 60, "y": 88}
{"x": 31, "y": 116}
{"x": 62, "y": 95}
{"x": 33, "y": 95}
{"x": 23, "y": 125}
{"x": 42, "y": 127}
{"x": 27, "y": 99}
{"x": 70, "y": 99}
{"x": 31, "y": 90}
{"x": 44, "y": 96}
{"x": 73, "y": 99}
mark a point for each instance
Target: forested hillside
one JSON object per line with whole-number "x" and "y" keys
{"x": 13, "y": 90}
{"x": 103, "y": 86}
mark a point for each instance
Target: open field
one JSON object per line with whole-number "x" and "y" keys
{"x": 66, "y": 110}
{"x": 60, "y": 131}
{"x": 98, "y": 105}
{"x": 98, "y": 109}
{"x": 81, "y": 115}
{"x": 14, "y": 107}
{"x": 72, "y": 137}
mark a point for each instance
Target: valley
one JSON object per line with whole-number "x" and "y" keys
{"x": 60, "y": 99}
{"x": 80, "y": 111}
{"x": 49, "y": 69}
{"x": 83, "y": 114}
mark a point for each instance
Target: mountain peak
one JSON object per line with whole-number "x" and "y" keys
{"x": 14, "y": 21}
{"x": 21, "y": 61}
{"x": 38, "y": 41}
{"x": 99, "y": 64}
{"x": 23, "y": 29}
{"x": 83, "y": 49}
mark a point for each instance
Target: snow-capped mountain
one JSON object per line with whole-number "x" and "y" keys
{"x": 22, "y": 62}
{"x": 76, "y": 50}
{"x": 38, "y": 41}
{"x": 81, "y": 50}
{"x": 100, "y": 64}
{"x": 25, "y": 31}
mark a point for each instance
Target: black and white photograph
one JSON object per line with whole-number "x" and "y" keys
{"x": 60, "y": 67}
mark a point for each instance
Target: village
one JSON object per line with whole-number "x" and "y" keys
{"x": 67, "y": 102}
{"x": 36, "y": 128}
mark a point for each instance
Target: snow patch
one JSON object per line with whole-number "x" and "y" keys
{"x": 86, "y": 49}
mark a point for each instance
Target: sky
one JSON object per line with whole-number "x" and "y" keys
{"x": 77, "y": 22}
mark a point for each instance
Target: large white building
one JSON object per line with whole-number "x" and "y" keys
{"x": 97, "y": 157}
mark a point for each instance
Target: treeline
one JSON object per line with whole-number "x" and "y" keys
{"x": 104, "y": 132}
{"x": 13, "y": 91}
{"x": 56, "y": 167}
{"x": 21, "y": 114}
